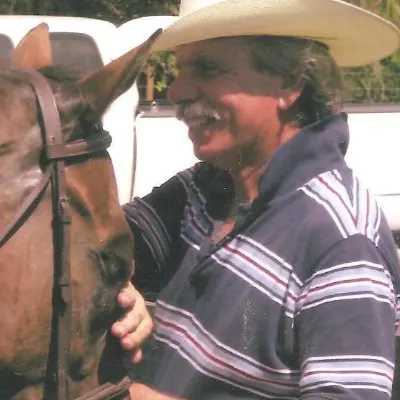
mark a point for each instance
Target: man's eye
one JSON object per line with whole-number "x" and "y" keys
{"x": 207, "y": 71}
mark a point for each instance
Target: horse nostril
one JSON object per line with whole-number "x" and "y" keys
{"x": 114, "y": 269}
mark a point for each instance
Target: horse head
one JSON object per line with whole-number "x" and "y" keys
{"x": 100, "y": 240}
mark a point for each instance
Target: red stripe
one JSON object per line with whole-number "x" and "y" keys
{"x": 214, "y": 359}
{"x": 348, "y": 281}
{"x": 358, "y": 280}
{"x": 261, "y": 268}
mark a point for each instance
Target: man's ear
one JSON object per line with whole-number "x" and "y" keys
{"x": 34, "y": 49}
{"x": 107, "y": 83}
{"x": 290, "y": 95}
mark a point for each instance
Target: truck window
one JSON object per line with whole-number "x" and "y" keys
{"x": 77, "y": 52}
{"x": 6, "y": 45}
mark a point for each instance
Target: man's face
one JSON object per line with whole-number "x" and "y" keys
{"x": 231, "y": 108}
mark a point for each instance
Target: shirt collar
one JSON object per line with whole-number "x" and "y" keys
{"x": 315, "y": 149}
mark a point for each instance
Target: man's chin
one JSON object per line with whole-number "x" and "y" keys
{"x": 205, "y": 156}
{"x": 211, "y": 157}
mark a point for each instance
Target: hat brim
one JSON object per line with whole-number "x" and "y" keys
{"x": 354, "y": 36}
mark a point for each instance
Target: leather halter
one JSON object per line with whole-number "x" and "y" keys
{"x": 56, "y": 151}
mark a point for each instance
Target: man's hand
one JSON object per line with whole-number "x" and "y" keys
{"x": 135, "y": 325}
{"x": 141, "y": 392}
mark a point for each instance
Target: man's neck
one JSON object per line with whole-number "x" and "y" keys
{"x": 245, "y": 181}
{"x": 246, "y": 176}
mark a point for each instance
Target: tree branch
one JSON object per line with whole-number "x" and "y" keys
{"x": 113, "y": 9}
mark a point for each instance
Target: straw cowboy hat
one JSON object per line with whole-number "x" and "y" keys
{"x": 354, "y": 36}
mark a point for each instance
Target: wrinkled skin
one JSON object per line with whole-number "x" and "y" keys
{"x": 101, "y": 245}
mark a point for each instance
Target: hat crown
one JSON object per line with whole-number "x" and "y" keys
{"x": 354, "y": 36}
{"x": 188, "y": 6}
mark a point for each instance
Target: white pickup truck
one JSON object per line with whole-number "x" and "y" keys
{"x": 83, "y": 44}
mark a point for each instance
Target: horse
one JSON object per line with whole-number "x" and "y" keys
{"x": 35, "y": 96}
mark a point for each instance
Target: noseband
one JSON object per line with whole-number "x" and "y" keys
{"x": 56, "y": 152}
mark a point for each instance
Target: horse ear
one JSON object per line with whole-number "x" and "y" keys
{"x": 109, "y": 82}
{"x": 34, "y": 50}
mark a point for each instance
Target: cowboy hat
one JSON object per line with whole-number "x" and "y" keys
{"x": 354, "y": 36}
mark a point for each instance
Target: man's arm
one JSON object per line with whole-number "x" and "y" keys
{"x": 155, "y": 222}
{"x": 345, "y": 322}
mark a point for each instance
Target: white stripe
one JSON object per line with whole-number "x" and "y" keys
{"x": 189, "y": 242}
{"x": 309, "y": 305}
{"x": 379, "y": 286}
{"x": 363, "y": 208}
{"x": 205, "y": 352}
{"x": 373, "y": 373}
{"x": 328, "y": 208}
{"x": 186, "y": 176}
{"x": 156, "y": 224}
{"x": 262, "y": 269}
{"x": 348, "y": 377}
{"x": 339, "y": 202}
{"x": 348, "y": 386}
{"x": 149, "y": 238}
{"x": 205, "y": 372}
{"x": 343, "y": 358}
{"x": 346, "y": 265}
{"x": 196, "y": 221}
{"x": 189, "y": 321}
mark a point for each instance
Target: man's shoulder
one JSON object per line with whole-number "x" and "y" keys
{"x": 335, "y": 206}
{"x": 338, "y": 200}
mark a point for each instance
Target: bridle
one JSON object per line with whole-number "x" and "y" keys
{"x": 56, "y": 152}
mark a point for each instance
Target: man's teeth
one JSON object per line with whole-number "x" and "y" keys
{"x": 206, "y": 120}
{"x": 216, "y": 116}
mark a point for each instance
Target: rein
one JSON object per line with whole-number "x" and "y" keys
{"x": 56, "y": 152}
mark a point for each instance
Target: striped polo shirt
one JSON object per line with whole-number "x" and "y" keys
{"x": 298, "y": 301}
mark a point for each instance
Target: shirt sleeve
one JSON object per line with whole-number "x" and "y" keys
{"x": 155, "y": 222}
{"x": 345, "y": 325}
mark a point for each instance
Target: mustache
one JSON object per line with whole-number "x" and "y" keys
{"x": 197, "y": 110}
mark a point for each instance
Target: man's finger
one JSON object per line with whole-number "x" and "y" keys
{"x": 127, "y": 297}
{"x": 136, "y": 356}
{"x": 127, "y": 324}
{"x": 136, "y": 338}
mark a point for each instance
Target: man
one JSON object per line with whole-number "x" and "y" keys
{"x": 275, "y": 272}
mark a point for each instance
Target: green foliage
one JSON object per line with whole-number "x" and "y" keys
{"x": 164, "y": 69}
{"x": 379, "y": 82}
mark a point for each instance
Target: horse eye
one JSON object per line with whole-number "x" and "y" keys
{"x": 114, "y": 270}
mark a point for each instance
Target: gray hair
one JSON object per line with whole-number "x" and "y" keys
{"x": 294, "y": 59}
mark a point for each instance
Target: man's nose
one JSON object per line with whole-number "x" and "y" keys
{"x": 183, "y": 89}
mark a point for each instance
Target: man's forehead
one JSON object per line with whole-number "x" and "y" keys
{"x": 209, "y": 49}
